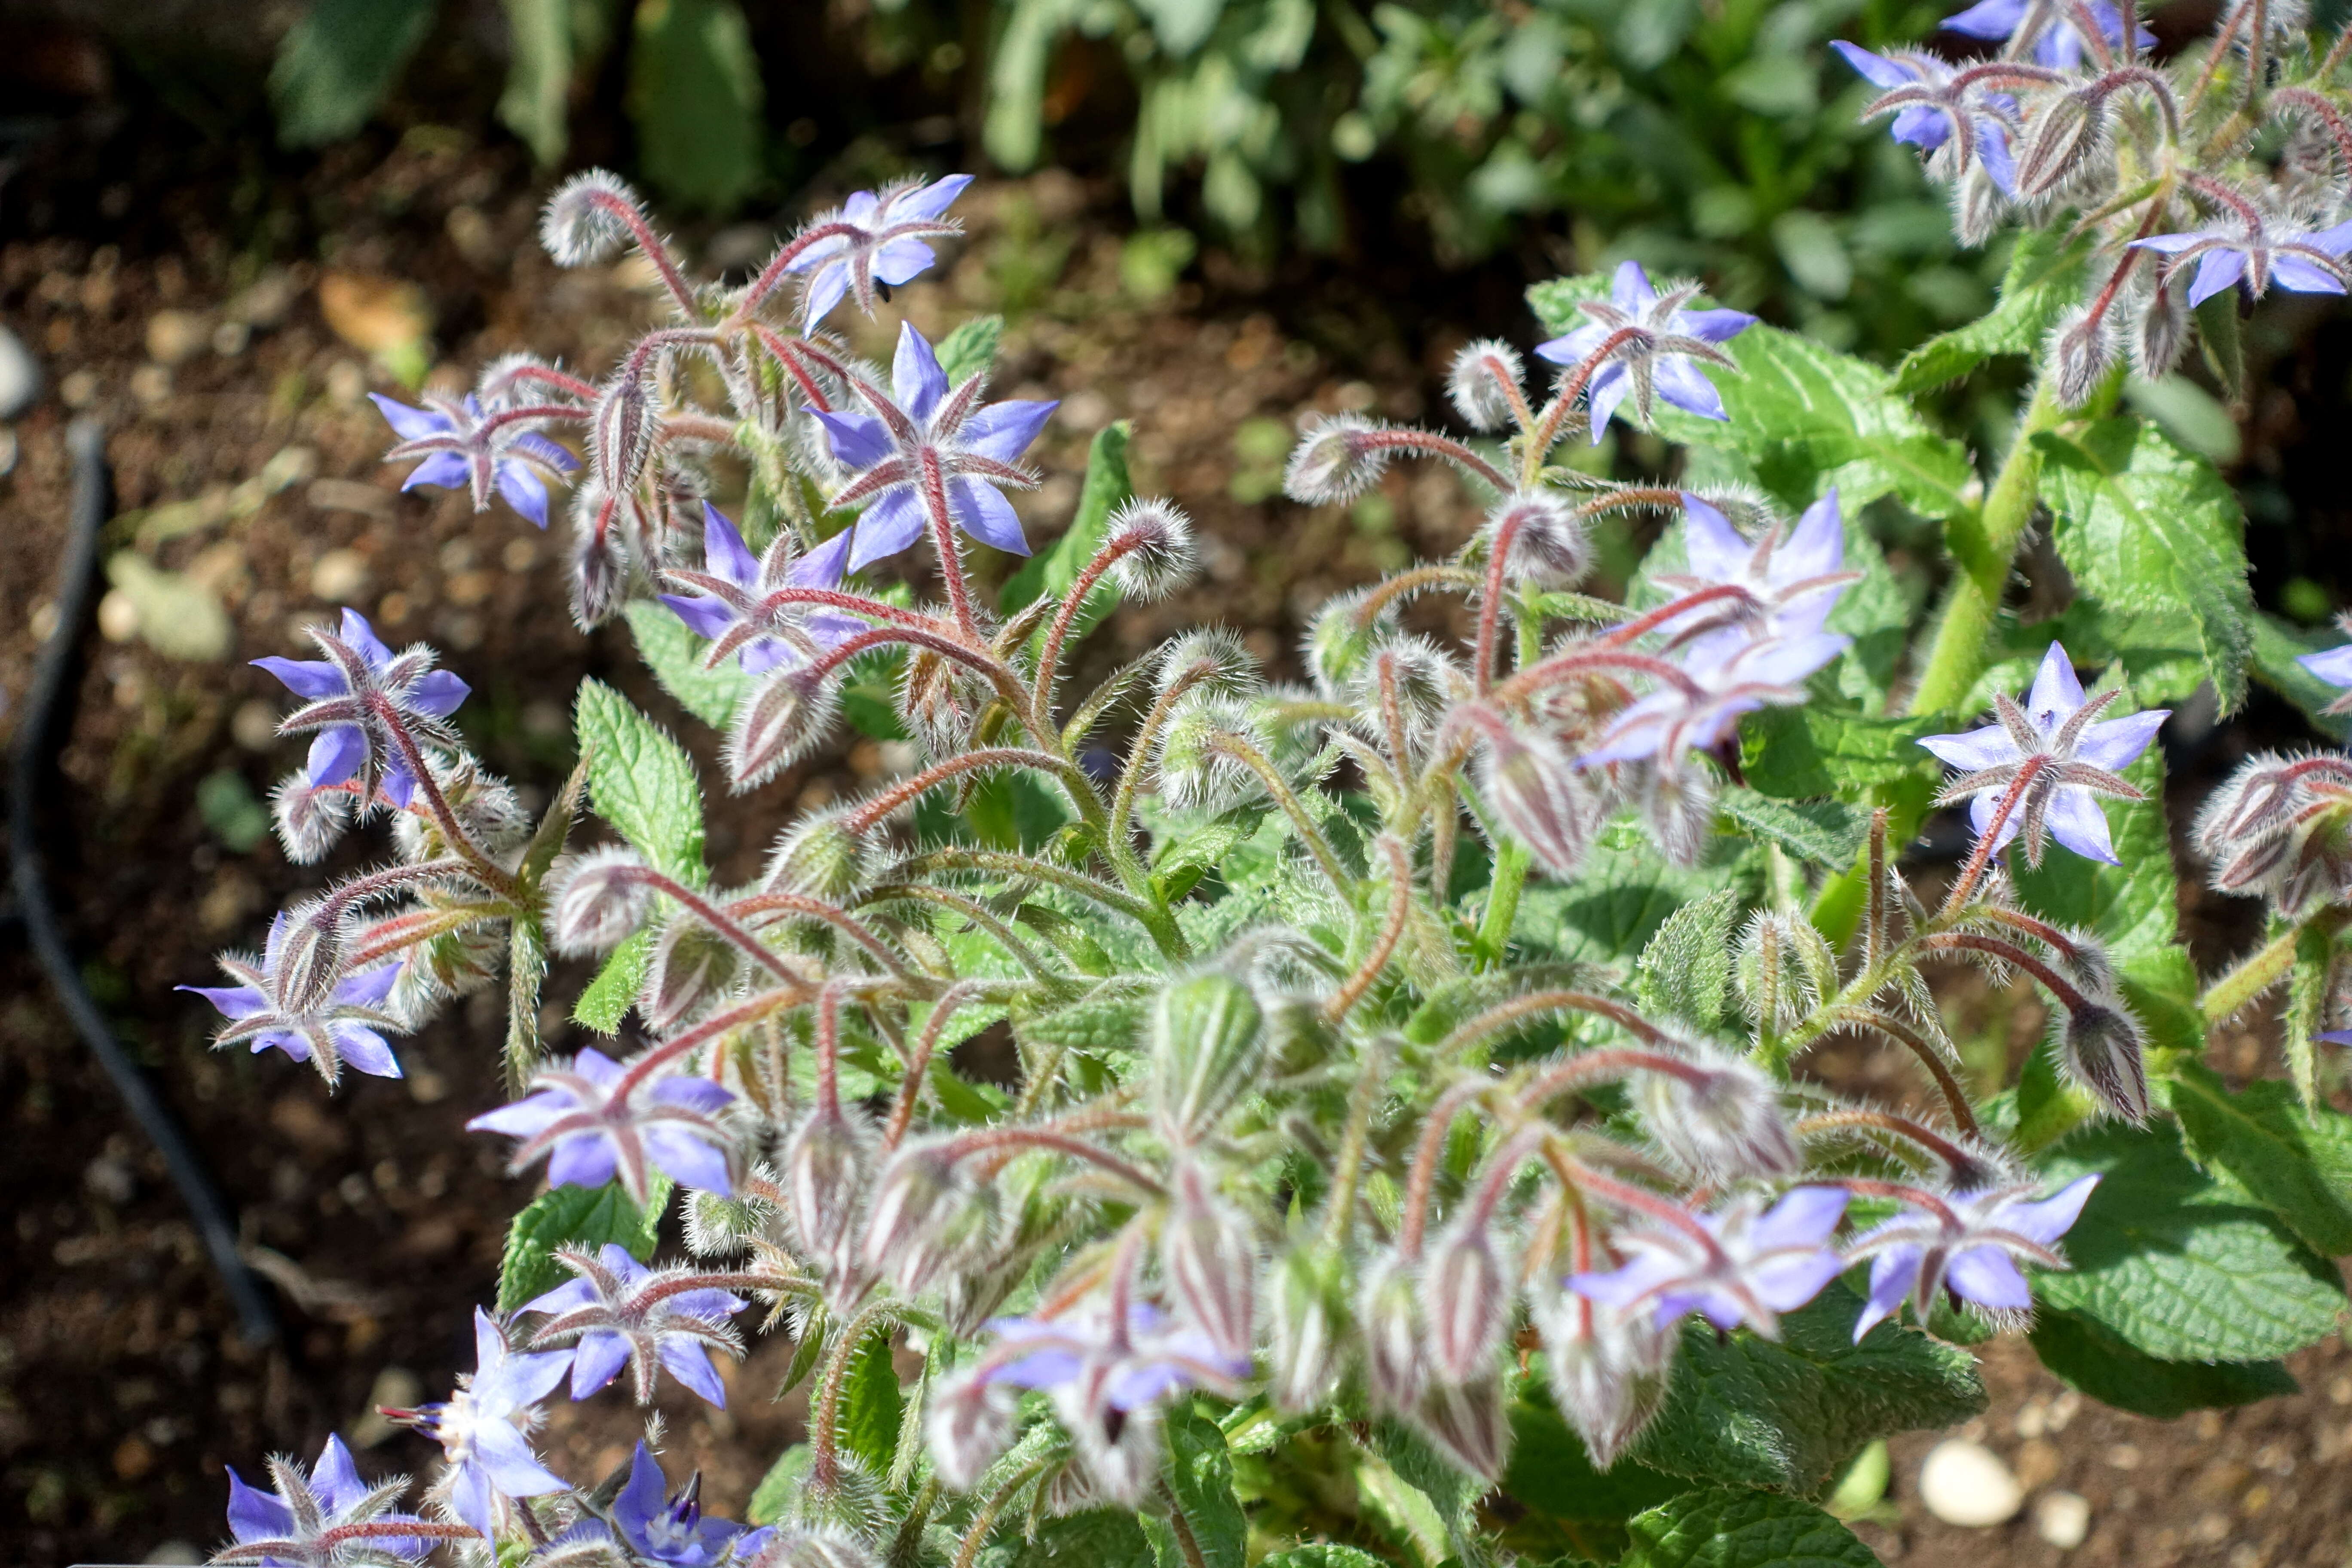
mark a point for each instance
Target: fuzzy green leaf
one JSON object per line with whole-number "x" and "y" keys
{"x": 1685, "y": 969}
{"x": 1826, "y": 832}
{"x": 615, "y": 990}
{"x": 2043, "y": 282}
{"x": 871, "y": 1404}
{"x": 1322, "y": 1554}
{"x": 2298, "y": 1166}
{"x": 1550, "y": 1473}
{"x": 641, "y": 782}
{"x": 2094, "y": 1360}
{"x": 1722, "y": 1527}
{"x": 2177, "y": 1265}
{"x": 1099, "y": 1538}
{"x": 772, "y": 1497}
{"x": 675, "y": 656}
{"x": 1200, "y": 1475}
{"x": 1108, "y": 1020}
{"x": 971, "y": 348}
{"x": 1624, "y": 892}
{"x": 1788, "y": 1416}
{"x": 2156, "y": 541}
{"x": 584, "y": 1217}
{"x": 694, "y": 92}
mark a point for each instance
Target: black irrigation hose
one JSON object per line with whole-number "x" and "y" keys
{"x": 30, "y": 760}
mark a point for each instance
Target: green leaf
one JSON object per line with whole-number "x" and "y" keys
{"x": 584, "y": 1217}
{"x": 615, "y": 990}
{"x": 1746, "y": 1410}
{"x": 1550, "y": 1473}
{"x": 641, "y": 782}
{"x": 1722, "y": 1527}
{"x": 536, "y": 103}
{"x": 1051, "y": 575}
{"x": 2277, "y": 646}
{"x": 1322, "y": 1554}
{"x": 1624, "y": 892}
{"x": 675, "y": 656}
{"x": 971, "y": 348}
{"x": 335, "y": 65}
{"x": 694, "y": 92}
{"x": 1200, "y": 1473}
{"x": 2101, "y": 1365}
{"x": 1178, "y": 860}
{"x": 1686, "y": 968}
{"x": 2298, "y": 1167}
{"x": 1808, "y": 417}
{"x": 1826, "y": 832}
{"x": 1878, "y": 612}
{"x": 2174, "y": 1265}
{"x": 772, "y": 1497}
{"x": 2156, "y": 541}
{"x": 871, "y": 1404}
{"x": 2043, "y": 282}
{"x": 1106, "y": 1021}
{"x": 1099, "y": 1538}
{"x": 1813, "y": 750}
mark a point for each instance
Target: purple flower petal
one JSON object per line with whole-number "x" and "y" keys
{"x": 366, "y": 1049}
{"x": 1713, "y": 326}
{"x": 525, "y": 491}
{"x": 981, "y": 511}
{"x": 1005, "y": 430}
{"x": 2332, "y": 664}
{"x": 1805, "y": 1217}
{"x": 2076, "y": 820}
{"x": 335, "y": 755}
{"x": 1987, "y": 748}
{"x": 411, "y": 424}
{"x": 254, "y": 1514}
{"x": 1713, "y": 548}
{"x": 1986, "y": 20}
{"x": 526, "y": 1117}
{"x": 438, "y": 692}
{"x": 448, "y": 469}
{"x": 886, "y": 526}
{"x": 1629, "y": 289}
{"x": 234, "y": 1001}
{"x": 2053, "y": 1216}
{"x": 707, "y": 618}
{"x": 690, "y": 1364}
{"x": 901, "y": 260}
{"x": 2056, "y": 690}
{"x": 931, "y": 201}
{"x": 724, "y": 553}
{"x": 596, "y": 1361}
{"x": 1817, "y": 546}
{"x": 573, "y": 1292}
{"x": 306, "y": 678}
{"x": 1680, "y": 383}
{"x": 2298, "y": 275}
{"x": 505, "y": 1455}
{"x": 1876, "y": 69}
{"x": 858, "y": 440}
{"x": 583, "y": 1160}
{"x": 688, "y": 1160}
{"x": 1892, "y": 1275}
{"x": 2116, "y": 743}
{"x": 916, "y": 382}
{"x": 827, "y": 289}
{"x": 1986, "y": 1276}
{"x": 2219, "y": 269}
{"x": 1608, "y": 388}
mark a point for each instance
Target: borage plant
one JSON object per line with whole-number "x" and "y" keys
{"x": 1358, "y": 1196}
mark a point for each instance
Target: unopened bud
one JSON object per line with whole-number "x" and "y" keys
{"x": 2064, "y": 140}
{"x": 598, "y": 901}
{"x": 578, "y": 224}
{"x": 1341, "y": 639}
{"x": 1308, "y": 1306}
{"x": 1206, "y": 1045}
{"x": 1609, "y": 1372}
{"x": 1198, "y": 770}
{"x": 2101, "y": 1048}
{"x": 968, "y": 1423}
{"x": 821, "y": 857}
{"x": 1484, "y": 376}
{"x": 1338, "y": 457}
{"x": 600, "y": 564}
{"x": 825, "y": 1178}
{"x": 927, "y": 1219}
{"x": 1396, "y": 1341}
{"x": 1426, "y": 682}
{"x": 2082, "y": 351}
{"x": 621, "y": 434}
{"x": 1298, "y": 1037}
{"x": 310, "y": 821}
{"x": 1723, "y": 1126}
{"x": 1162, "y": 558}
{"x": 1466, "y": 1296}
{"x": 1469, "y": 1423}
{"x": 2159, "y": 333}
{"x": 1210, "y": 660}
{"x": 787, "y": 717}
{"x": 1540, "y": 798}
{"x": 719, "y": 1226}
{"x": 1977, "y": 205}
{"x": 308, "y": 958}
{"x": 1779, "y": 968}
{"x": 1677, "y": 801}
{"x": 1549, "y": 547}
{"x": 1210, "y": 1260}
{"x": 691, "y": 963}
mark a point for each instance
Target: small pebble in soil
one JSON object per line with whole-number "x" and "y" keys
{"x": 79, "y": 389}
{"x": 229, "y": 338}
{"x": 118, "y": 617}
{"x": 340, "y": 576}
{"x": 177, "y": 1553}
{"x": 7, "y": 451}
{"x": 20, "y": 377}
{"x": 2063, "y": 1519}
{"x": 254, "y": 725}
{"x": 151, "y": 384}
{"x": 1966, "y": 1484}
{"x": 174, "y": 337}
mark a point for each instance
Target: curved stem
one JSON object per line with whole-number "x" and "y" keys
{"x": 1310, "y": 833}
{"x": 873, "y": 811}
{"x": 918, "y": 1062}
{"x": 1503, "y": 1015}
{"x": 1385, "y": 946}
{"x": 987, "y": 1139}
{"x": 831, "y": 915}
{"x": 1004, "y": 863}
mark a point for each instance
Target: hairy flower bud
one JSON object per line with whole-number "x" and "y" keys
{"x": 600, "y": 563}
{"x": 1484, "y": 376}
{"x": 1308, "y": 1303}
{"x": 824, "y": 1180}
{"x": 1341, "y": 639}
{"x": 2064, "y": 140}
{"x": 1780, "y": 968}
{"x": 1162, "y": 558}
{"x": 2100, "y": 1046}
{"x": 1678, "y": 800}
{"x": 2159, "y": 331}
{"x": 1549, "y": 545}
{"x": 1338, "y": 457}
{"x": 1466, "y": 1296}
{"x": 787, "y": 717}
{"x": 597, "y": 901}
{"x": 1298, "y": 1037}
{"x": 1197, "y": 767}
{"x": 309, "y": 958}
{"x": 621, "y": 434}
{"x": 1210, "y": 660}
{"x": 1608, "y": 1371}
{"x": 719, "y": 1226}
{"x": 968, "y": 1423}
{"x": 1210, "y": 1260}
{"x": 1206, "y": 1043}
{"x": 1977, "y": 206}
{"x": 580, "y": 225}
{"x": 1540, "y": 797}
{"x": 1426, "y": 684}
{"x": 2082, "y": 351}
{"x": 1724, "y": 1124}
{"x": 690, "y": 964}
{"x": 928, "y": 1219}
{"x": 1470, "y": 1423}
{"x": 311, "y": 821}
{"x": 821, "y": 857}
{"x": 1396, "y": 1340}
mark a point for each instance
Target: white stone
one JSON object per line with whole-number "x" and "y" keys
{"x": 1966, "y": 1483}
{"x": 2063, "y": 1519}
{"x": 20, "y": 378}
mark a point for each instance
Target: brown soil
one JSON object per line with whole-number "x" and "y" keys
{"x": 123, "y": 1388}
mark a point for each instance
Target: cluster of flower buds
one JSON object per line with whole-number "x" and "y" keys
{"x": 2160, "y": 160}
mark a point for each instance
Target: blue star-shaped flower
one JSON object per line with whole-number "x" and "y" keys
{"x": 1655, "y": 349}
{"x": 480, "y": 1428}
{"x": 1968, "y": 1245}
{"x": 2057, "y": 36}
{"x": 619, "y": 1313}
{"x": 341, "y": 691}
{"x": 926, "y": 447}
{"x": 327, "y": 1518}
{"x": 1756, "y": 1263}
{"x": 729, "y": 608}
{"x": 1932, "y": 105}
{"x": 465, "y": 448}
{"x": 886, "y": 250}
{"x": 2244, "y": 248}
{"x": 341, "y": 1029}
{"x": 572, "y": 1116}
